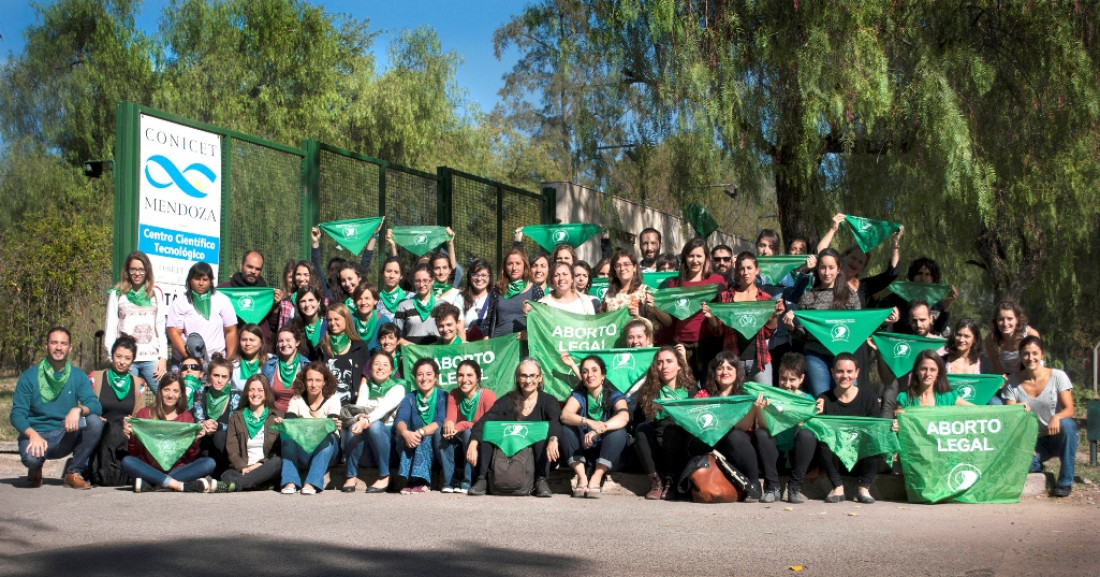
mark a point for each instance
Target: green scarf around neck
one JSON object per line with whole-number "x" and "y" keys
{"x": 253, "y": 423}
{"x": 120, "y": 383}
{"x": 515, "y": 288}
{"x": 339, "y": 343}
{"x": 390, "y": 299}
{"x": 249, "y": 368}
{"x": 379, "y": 390}
{"x": 139, "y": 298}
{"x": 595, "y": 406}
{"x": 313, "y": 331}
{"x": 201, "y": 303}
{"x": 468, "y": 407}
{"x": 51, "y": 383}
{"x": 216, "y": 401}
{"x": 367, "y": 328}
{"x": 425, "y": 406}
{"x": 191, "y": 385}
{"x": 424, "y": 309}
{"x": 288, "y": 370}
{"x": 438, "y": 288}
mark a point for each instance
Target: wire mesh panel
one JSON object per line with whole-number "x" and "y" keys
{"x": 474, "y": 220}
{"x": 412, "y": 199}
{"x": 266, "y": 204}
{"x": 348, "y": 187}
{"x": 519, "y": 209}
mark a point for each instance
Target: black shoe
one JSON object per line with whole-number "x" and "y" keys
{"x": 795, "y": 497}
{"x": 542, "y": 488}
{"x": 480, "y": 488}
{"x": 834, "y": 499}
{"x": 866, "y": 499}
{"x": 196, "y": 486}
{"x": 753, "y": 493}
{"x": 347, "y": 489}
{"x": 1062, "y": 491}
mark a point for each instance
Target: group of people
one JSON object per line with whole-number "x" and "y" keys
{"x": 331, "y": 346}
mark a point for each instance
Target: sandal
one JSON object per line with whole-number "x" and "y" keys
{"x": 594, "y": 493}
{"x": 580, "y": 491}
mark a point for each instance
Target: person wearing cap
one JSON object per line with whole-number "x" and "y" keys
{"x": 202, "y": 313}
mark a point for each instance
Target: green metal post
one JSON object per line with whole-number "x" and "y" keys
{"x": 311, "y": 198}
{"x": 225, "y": 269}
{"x": 444, "y": 191}
{"x": 126, "y": 163}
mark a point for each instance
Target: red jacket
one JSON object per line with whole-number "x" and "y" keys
{"x": 136, "y": 449}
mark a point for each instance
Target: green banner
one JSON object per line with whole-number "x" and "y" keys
{"x": 785, "y": 409}
{"x": 708, "y": 419}
{"x": 930, "y": 293}
{"x": 419, "y": 240}
{"x": 352, "y": 234}
{"x": 250, "y": 304}
{"x": 624, "y": 366}
{"x": 870, "y": 233}
{"x": 598, "y": 287}
{"x": 976, "y": 389}
{"x": 966, "y": 454}
{"x": 842, "y": 331}
{"x": 774, "y": 268}
{"x": 497, "y": 358}
{"x": 682, "y": 302}
{"x": 899, "y": 351}
{"x": 166, "y": 441}
{"x": 306, "y": 432}
{"x": 746, "y": 318}
{"x": 653, "y": 279}
{"x": 854, "y": 438}
{"x": 550, "y": 331}
{"x": 549, "y": 236}
{"x": 701, "y": 221}
{"x": 512, "y": 437}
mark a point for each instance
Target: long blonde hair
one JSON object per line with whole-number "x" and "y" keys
{"x": 124, "y": 285}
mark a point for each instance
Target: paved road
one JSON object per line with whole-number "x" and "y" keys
{"x": 112, "y": 532}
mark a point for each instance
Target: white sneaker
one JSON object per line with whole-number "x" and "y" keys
{"x": 308, "y": 490}
{"x": 289, "y": 490}
{"x": 461, "y": 490}
{"x": 138, "y": 485}
{"x": 449, "y": 490}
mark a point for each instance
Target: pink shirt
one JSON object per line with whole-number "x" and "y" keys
{"x": 182, "y": 315}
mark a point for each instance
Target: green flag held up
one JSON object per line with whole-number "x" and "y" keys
{"x": 250, "y": 304}
{"x": 854, "y": 438}
{"x": 785, "y": 409}
{"x": 624, "y": 366}
{"x": 653, "y": 279}
{"x": 899, "y": 351}
{"x": 774, "y": 268}
{"x": 550, "y": 331}
{"x": 966, "y": 454}
{"x": 746, "y": 318}
{"x": 598, "y": 287}
{"x": 512, "y": 437}
{"x": 930, "y": 293}
{"x": 549, "y": 236}
{"x": 870, "y": 233}
{"x": 166, "y": 441}
{"x": 701, "y": 220}
{"x": 976, "y": 389}
{"x": 842, "y": 331}
{"x": 419, "y": 240}
{"x": 708, "y": 419}
{"x": 682, "y": 302}
{"x": 497, "y": 358}
{"x": 307, "y": 433}
{"x": 352, "y": 234}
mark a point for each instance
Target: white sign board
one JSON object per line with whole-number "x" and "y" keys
{"x": 180, "y": 200}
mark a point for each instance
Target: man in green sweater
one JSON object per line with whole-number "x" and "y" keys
{"x": 56, "y": 413}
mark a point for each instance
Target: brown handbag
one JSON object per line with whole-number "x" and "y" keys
{"x": 711, "y": 480}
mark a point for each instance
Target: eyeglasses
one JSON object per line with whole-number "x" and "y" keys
{"x": 528, "y": 377}
{"x": 480, "y": 275}
{"x": 137, "y": 271}
{"x": 190, "y": 367}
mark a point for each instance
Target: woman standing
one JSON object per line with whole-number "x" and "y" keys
{"x": 540, "y": 270}
{"x": 120, "y": 397}
{"x": 660, "y": 442}
{"x": 372, "y": 424}
{"x": 692, "y": 332}
{"x": 251, "y": 439}
{"x": 563, "y": 294}
{"x": 252, "y": 355}
{"x": 625, "y": 288}
{"x": 134, "y": 308}
{"x": 466, "y": 404}
{"x": 514, "y": 287}
{"x": 203, "y": 316}
{"x": 475, "y": 300}
{"x": 391, "y": 294}
{"x": 343, "y": 351}
{"x": 419, "y": 417}
{"x": 310, "y": 320}
{"x": 854, "y": 262}
{"x": 594, "y": 423}
{"x": 314, "y": 398}
{"x": 753, "y": 353}
{"x": 282, "y": 369}
{"x": 414, "y": 315}
{"x": 1002, "y": 346}
{"x": 365, "y": 316}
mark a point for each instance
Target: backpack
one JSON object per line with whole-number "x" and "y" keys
{"x": 712, "y": 479}
{"x": 515, "y": 475}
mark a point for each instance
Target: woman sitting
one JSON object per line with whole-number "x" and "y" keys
{"x": 594, "y": 423}
{"x": 314, "y": 398}
{"x": 419, "y": 417}
{"x": 466, "y": 404}
{"x": 928, "y": 384}
{"x": 724, "y": 379}
{"x": 282, "y": 369}
{"x": 660, "y": 442}
{"x": 213, "y": 408}
{"x": 370, "y": 422}
{"x": 848, "y": 400}
{"x": 121, "y": 397}
{"x": 251, "y": 439}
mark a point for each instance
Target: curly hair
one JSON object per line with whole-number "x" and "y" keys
{"x": 711, "y": 384}
{"x": 652, "y": 386}
{"x": 299, "y": 384}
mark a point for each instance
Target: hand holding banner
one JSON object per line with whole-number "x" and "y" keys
{"x": 682, "y": 302}
{"x": 785, "y": 409}
{"x": 624, "y": 366}
{"x": 854, "y": 438}
{"x": 512, "y": 437}
{"x": 551, "y": 331}
{"x": 549, "y": 236}
{"x": 774, "y": 268}
{"x": 842, "y": 331}
{"x": 419, "y": 240}
{"x": 497, "y": 358}
{"x": 701, "y": 220}
{"x": 930, "y": 293}
{"x": 306, "y": 432}
{"x": 166, "y": 441}
{"x": 746, "y": 318}
{"x": 870, "y": 233}
{"x": 899, "y": 351}
{"x": 708, "y": 419}
{"x": 976, "y": 389}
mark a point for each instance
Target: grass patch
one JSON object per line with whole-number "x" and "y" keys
{"x": 7, "y": 389}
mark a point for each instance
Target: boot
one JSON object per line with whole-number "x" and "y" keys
{"x": 669, "y": 492}
{"x": 655, "y": 487}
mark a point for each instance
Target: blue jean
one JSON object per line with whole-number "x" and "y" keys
{"x": 144, "y": 369}
{"x": 818, "y": 376}
{"x": 452, "y": 455}
{"x": 139, "y": 469}
{"x": 317, "y": 463}
{"x": 1064, "y": 446}
{"x": 59, "y": 443}
{"x": 376, "y": 440}
{"x": 606, "y": 451}
{"x": 416, "y": 463}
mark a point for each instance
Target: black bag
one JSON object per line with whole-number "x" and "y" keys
{"x": 515, "y": 475}
{"x": 105, "y": 465}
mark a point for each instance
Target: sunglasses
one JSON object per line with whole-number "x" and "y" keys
{"x": 723, "y": 258}
{"x": 190, "y": 367}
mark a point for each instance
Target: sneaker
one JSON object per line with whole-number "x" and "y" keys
{"x": 289, "y": 490}
{"x": 224, "y": 487}
{"x": 1062, "y": 491}
{"x": 542, "y": 488}
{"x": 753, "y": 493}
{"x": 770, "y": 496}
{"x": 480, "y": 488}
{"x": 34, "y": 478}
{"x": 139, "y": 485}
{"x": 795, "y": 497}
{"x": 76, "y": 481}
{"x": 462, "y": 490}
{"x": 309, "y": 490}
{"x": 865, "y": 498}
{"x": 448, "y": 490}
{"x": 196, "y": 486}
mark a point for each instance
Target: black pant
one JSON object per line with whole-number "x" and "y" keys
{"x": 669, "y": 440}
{"x": 801, "y": 456}
{"x": 213, "y": 446}
{"x": 864, "y": 469}
{"x": 485, "y": 452}
{"x": 269, "y": 470}
{"x": 736, "y": 447}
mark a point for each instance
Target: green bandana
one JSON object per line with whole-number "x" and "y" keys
{"x": 192, "y": 386}
{"x": 201, "y": 303}
{"x": 930, "y": 293}
{"x": 306, "y": 432}
{"x": 287, "y": 371}
{"x": 425, "y": 407}
{"x": 438, "y": 288}
{"x": 139, "y": 298}
{"x": 339, "y": 343}
{"x": 654, "y": 279}
{"x": 899, "y": 351}
{"x": 352, "y": 234}
{"x": 253, "y": 423}
{"x": 701, "y": 221}
{"x": 313, "y": 331}
{"x": 549, "y": 236}
{"x": 379, "y": 390}
{"x": 351, "y": 305}
{"x": 595, "y": 406}
{"x": 775, "y": 268}
{"x": 216, "y": 401}
{"x": 120, "y": 383}
{"x": 468, "y": 407}
{"x": 708, "y": 419}
{"x": 842, "y": 331}
{"x": 551, "y": 331}
{"x": 51, "y": 383}
{"x": 683, "y": 302}
{"x": 514, "y": 288}
{"x": 976, "y": 389}
{"x": 512, "y": 437}
{"x": 870, "y": 233}
{"x": 250, "y": 304}
{"x": 598, "y": 287}
{"x": 390, "y": 299}
{"x": 424, "y": 309}
{"x": 747, "y": 318}
{"x": 785, "y": 409}
{"x": 249, "y": 368}
{"x": 498, "y": 358}
{"x": 668, "y": 394}
{"x": 419, "y": 240}
{"x": 854, "y": 438}
{"x": 366, "y": 328}
{"x": 166, "y": 441}
{"x": 624, "y": 366}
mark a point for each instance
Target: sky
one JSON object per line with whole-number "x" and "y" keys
{"x": 463, "y": 27}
